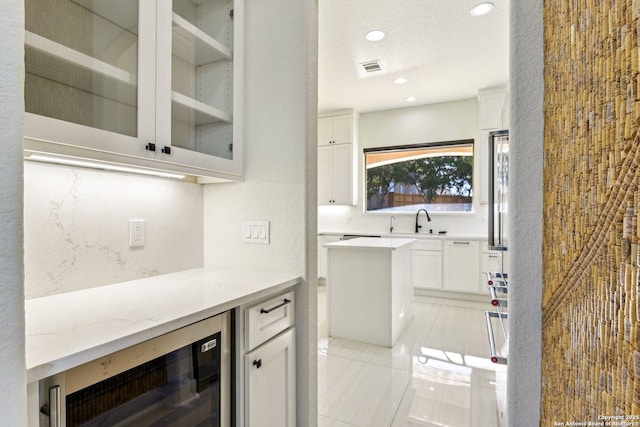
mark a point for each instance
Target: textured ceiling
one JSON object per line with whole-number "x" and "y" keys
{"x": 444, "y": 52}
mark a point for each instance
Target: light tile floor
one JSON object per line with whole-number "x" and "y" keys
{"x": 437, "y": 374}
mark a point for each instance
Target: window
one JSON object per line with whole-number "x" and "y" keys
{"x": 435, "y": 176}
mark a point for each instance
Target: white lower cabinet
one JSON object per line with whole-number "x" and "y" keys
{"x": 454, "y": 265}
{"x": 427, "y": 264}
{"x": 322, "y": 254}
{"x": 461, "y": 264}
{"x": 270, "y": 363}
{"x": 271, "y": 381}
{"x": 491, "y": 262}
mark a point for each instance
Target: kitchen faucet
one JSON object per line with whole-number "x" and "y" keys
{"x": 418, "y": 227}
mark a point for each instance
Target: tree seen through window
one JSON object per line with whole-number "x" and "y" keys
{"x": 437, "y": 177}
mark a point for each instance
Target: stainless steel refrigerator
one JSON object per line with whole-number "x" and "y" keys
{"x": 498, "y": 279}
{"x": 498, "y": 190}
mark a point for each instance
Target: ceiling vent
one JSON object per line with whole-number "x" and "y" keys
{"x": 371, "y": 66}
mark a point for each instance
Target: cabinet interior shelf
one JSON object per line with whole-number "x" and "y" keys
{"x": 204, "y": 114}
{"x": 79, "y": 59}
{"x": 206, "y": 48}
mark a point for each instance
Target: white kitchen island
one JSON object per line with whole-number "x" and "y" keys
{"x": 369, "y": 289}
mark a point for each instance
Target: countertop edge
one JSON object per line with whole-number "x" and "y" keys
{"x": 61, "y": 364}
{"x": 371, "y": 243}
{"x": 424, "y": 236}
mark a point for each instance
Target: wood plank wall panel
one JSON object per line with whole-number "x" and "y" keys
{"x": 591, "y": 318}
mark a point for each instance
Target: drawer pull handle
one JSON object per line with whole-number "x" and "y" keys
{"x": 461, "y": 243}
{"x": 269, "y": 310}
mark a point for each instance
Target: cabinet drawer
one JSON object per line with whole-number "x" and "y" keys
{"x": 269, "y": 318}
{"x": 427, "y": 245}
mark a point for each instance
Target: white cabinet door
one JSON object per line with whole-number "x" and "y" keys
{"x": 427, "y": 269}
{"x": 342, "y": 180}
{"x": 343, "y": 129}
{"x": 491, "y": 111}
{"x": 335, "y": 174}
{"x": 490, "y": 263}
{"x": 495, "y": 262}
{"x": 270, "y": 398}
{"x": 322, "y": 254}
{"x": 325, "y": 175}
{"x": 197, "y": 85}
{"x": 461, "y": 265}
{"x": 325, "y": 131}
{"x": 89, "y": 74}
{"x": 336, "y": 129}
{"x": 336, "y": 143}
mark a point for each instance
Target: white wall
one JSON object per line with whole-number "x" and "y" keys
{"x": 527, "y": 134}
{"x": 447, "y": 121}
{"x": 77, "y": 227}
{"x": 275, "y": 144}
{"x": 12, "y": 366}
{"x": 280, "y": 105}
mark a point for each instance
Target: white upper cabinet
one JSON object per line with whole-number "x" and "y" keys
{"x": 491, "y": 110}
{"x": 337, "y": 148}
{"x": 338, "y": 129}
{"x": 153, "y": 84}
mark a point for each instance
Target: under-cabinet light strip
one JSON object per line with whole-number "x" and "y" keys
{"x": 104, "y": 166}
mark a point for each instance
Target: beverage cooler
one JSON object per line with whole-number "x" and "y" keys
{"x": 177, "y": 379}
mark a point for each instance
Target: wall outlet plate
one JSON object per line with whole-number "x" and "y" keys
{"x": 136, "y": 233}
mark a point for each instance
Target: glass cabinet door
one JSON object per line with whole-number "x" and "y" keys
{"x": 143, "y": 83}
{"x": 201, "y": 76}
{"x": 81, "y": 59}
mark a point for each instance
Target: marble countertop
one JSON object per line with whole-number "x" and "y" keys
{"x": 67, "y": 330}
{"x": 370, "y": 243}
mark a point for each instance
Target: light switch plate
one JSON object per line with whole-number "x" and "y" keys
{"x": 256, "y": 232}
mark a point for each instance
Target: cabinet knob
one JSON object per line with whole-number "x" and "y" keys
{"x": 166, "y": 150}
{"x": 150, "y": 146}
{"x": 257, "y": 363}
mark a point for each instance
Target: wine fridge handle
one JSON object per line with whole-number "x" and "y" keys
{"x": 55, "y": 414}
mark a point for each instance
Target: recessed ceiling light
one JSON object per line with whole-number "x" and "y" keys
{"x": 400, "y": 80}
{"x": 411, "y": 99}
{"x": 374, "y": 36}
{"x": 482, "y": 8}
